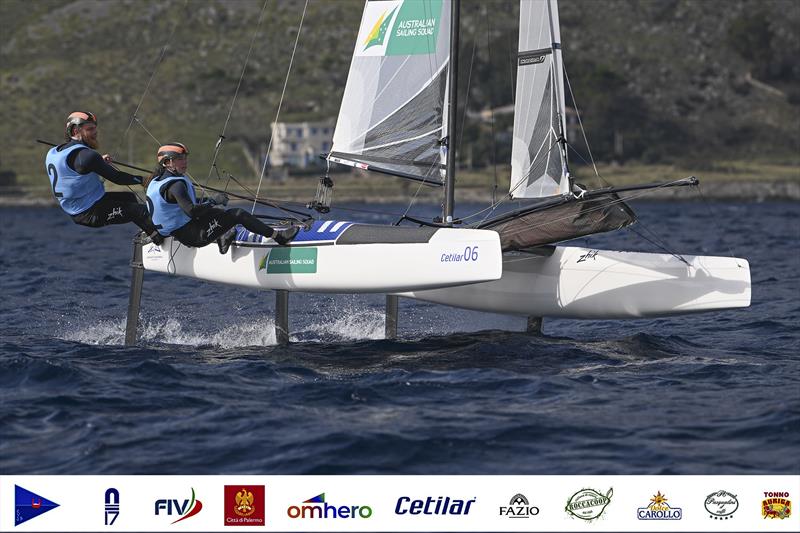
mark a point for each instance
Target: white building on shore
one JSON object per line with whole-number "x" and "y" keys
{"x": 299, "y": 144}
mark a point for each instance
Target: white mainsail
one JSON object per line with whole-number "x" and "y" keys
{"x": 392, "y": 116}
{"x": 538, "y": 160}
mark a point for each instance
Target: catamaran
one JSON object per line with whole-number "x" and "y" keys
{"x": 397, "y": 118}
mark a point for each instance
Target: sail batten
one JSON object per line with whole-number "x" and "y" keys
{"x": 392, "y": 113}
{"x": 538, "y": 157}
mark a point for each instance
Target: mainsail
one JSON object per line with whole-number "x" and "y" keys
{"x": 538, "y": 159}
{"x": 392, "y": 118}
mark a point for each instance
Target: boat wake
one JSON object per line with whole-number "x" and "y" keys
{"x": 357, "y": 324}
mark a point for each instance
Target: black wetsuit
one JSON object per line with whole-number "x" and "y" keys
{"x": 113, "y": 207}
{"x": 208, "y": 222}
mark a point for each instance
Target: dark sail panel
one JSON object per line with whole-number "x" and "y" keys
{"x": 562, "y": 222}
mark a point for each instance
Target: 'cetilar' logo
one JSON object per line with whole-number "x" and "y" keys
{"x": 776, "y": 505}
{"x": 659, "y": 509}
{"x": 379, "y": 30}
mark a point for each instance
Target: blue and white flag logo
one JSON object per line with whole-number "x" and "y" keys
{"x": 29, "y": 505}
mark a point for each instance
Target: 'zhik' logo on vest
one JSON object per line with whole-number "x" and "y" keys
{"x": 185, "y": 509}
{"x": 29, "y": 505}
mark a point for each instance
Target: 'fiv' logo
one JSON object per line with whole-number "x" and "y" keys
{"x": 185, "y": 509}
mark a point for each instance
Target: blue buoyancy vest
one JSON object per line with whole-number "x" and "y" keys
{"x": 75, "y": 192}
{"x": 167, "y": 216}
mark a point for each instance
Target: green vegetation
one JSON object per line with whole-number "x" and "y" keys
{"x": 666, "y": 89}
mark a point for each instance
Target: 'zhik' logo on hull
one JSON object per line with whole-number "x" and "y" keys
{"x": 185, "y": 509}
{"x": 29, "y": 505}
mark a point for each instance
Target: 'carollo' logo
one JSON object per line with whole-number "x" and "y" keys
{"x": 721, "y": 505}
{"x": 588, "y": 504}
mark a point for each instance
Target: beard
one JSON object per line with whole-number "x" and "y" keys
{"x": 91, "y": 142}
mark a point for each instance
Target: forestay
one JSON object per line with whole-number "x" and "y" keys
{"x": 538, "y": 160}
{"x": 393, "y": 113}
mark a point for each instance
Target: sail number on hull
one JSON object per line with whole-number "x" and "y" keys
{"x": 470, "y": 253}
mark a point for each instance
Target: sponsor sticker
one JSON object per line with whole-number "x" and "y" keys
{"x": 519, "y": 507}
{"x": 28, "y": 505}
{"x": 776, "y": 505}
{"x": 659, "y": 509}
{"x": 111, "y": 506}
{"x": 317, "y": 507}
{"x": 244, "y": 505}
{"x": 296, "y": 260}
{"x": 400, "y": 28}
{"x": 721, "y": 505}
{"x": 182, "y": 509}
{"x": 588, "y": 504}
{"x": 433, "y": 505}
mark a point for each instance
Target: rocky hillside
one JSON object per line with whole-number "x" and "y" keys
{"x": 656, "y": 81}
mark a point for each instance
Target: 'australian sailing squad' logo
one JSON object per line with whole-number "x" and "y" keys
{"x": 588, "y": 504}
{"x": 407, "y": 27}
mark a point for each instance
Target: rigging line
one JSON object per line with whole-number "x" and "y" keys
{"x": 505, "y": 197}
{"x": 416, "y": 193}
{"x": 149, "y": 81}
{"x": 491, "y": 104}
{"x": 714, "y": 215}
{"x": 580, "y": 123}
{"x": 218, "y": 146}
{"x": 280, "y": 103}
{"x": 139, "y": 122}
{"x": 659, "y": 245}
{"x": 466, "y": 99}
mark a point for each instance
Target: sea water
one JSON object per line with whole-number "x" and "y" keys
{"x": 208, "y": 391}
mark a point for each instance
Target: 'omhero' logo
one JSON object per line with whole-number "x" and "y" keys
{"x": 440, "y": 505}
{"x": 185, "y": 509}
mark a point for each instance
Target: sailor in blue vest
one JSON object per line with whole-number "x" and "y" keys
{"x": 75, "y": 169}
{"x": 176, "y": 211}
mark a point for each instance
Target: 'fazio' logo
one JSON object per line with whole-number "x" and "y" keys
{"x": 316, "y": 507}
{"x": 111, "y": 506}
{"x": 185, "y": 509}
{"x": 721, "y": 505}
{"x": 518, "y": 507}
{"x": 439, "y": 505}
{"x": 659, "y": 509}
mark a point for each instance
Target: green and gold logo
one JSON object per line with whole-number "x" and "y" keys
{"x": 290, "y": 261}
{"x": 378, "y": 33}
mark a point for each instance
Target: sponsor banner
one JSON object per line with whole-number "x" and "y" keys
{"x": 399, "y": 28}
{"x": 398, "y": 503}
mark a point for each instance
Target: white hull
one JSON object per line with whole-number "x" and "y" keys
{"x": 585, "y": 283}
{"x": 324, "y": 266}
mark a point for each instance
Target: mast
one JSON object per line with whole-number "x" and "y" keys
{"x": 452, "y": 106}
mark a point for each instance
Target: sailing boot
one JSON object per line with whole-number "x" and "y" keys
{"x": 225, "y": 241}
{"x": 285, "y": 236}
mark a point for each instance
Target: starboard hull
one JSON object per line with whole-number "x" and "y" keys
{"x": 318, "y": 261}
{"x": 576, "y": 282}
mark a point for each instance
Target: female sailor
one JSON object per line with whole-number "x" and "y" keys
{"x": 176, "y": 211}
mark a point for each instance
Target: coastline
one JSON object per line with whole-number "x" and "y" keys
{"x": 745, "y": 191}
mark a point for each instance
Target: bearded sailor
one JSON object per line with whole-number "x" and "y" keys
{"x": 177, "y": 213}
{"x": 75, "y": 168}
